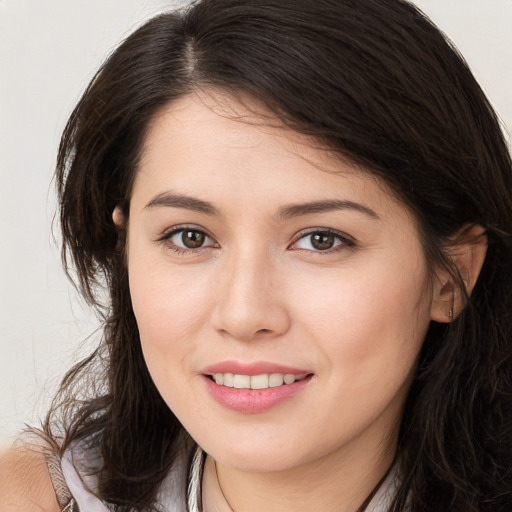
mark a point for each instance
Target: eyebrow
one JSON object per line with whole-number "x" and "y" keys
{"x": 296, "y": 210}
{"x": 171, "y": 200}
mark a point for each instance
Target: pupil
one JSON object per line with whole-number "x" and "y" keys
{"x": 192, "y": 239}
{"x": 322, "y": 241}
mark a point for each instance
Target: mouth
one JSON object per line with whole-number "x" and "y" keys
{"x": 252, "y": 388}
{"x": 252, "y": 394}
{"x": 262, "y": 381}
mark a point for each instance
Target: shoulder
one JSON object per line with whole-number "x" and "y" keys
{"x": 25, "y": 484}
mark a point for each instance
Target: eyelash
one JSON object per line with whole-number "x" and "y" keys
{"x": 166, "y": 239}
{"x": 344, "y": 242}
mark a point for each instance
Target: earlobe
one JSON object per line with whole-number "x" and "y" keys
{"x": 467, "y": 255}
{"x": 118, "y": 217}
{"x": 443, "y": 301}
{"x": 120, "y": 222}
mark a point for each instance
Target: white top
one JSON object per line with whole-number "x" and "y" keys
{"x": 171, "y": 498}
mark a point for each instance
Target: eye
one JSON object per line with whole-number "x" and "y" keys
{"x": 322, "y": 241}
{"x": 187, "y": 239}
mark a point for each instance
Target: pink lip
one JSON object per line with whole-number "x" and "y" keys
{"x": 257, "y": 368}
{"x": 253, "y": 401}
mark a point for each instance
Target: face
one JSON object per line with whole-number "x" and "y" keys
{"x": 257, "y": 259}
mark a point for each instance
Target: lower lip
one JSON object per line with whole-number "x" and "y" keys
{"x": 253, "y": 401}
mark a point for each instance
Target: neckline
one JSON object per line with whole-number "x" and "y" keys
{"x": 378, "y": 501}
{"x": 194, "y": 501}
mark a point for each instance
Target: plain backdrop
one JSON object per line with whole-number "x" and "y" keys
{"x": 49, "y": 50}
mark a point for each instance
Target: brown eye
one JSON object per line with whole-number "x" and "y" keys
{"x": 323, "y": 241}
{"x": 192, "y": 239}
{"x": 188, "y": 239}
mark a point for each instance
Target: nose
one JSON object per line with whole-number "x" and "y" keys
{"x": 250, "y": 303}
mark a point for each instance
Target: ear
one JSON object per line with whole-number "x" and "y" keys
{"x": 120, "y": 223}
{"x": 118, "y": 217}
{"x": 467, "y": 255}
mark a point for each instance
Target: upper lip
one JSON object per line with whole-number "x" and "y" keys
{"x": 256, "y": 368}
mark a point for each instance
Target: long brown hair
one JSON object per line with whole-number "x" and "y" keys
{"x": 375, "y": 81}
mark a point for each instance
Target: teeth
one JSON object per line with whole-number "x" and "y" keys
{"x": 275, "y": 380}
{"x": 289, "y": 379}
{"x": 263, "y": 381}
{"x": 259, "y": 382}
{"x": 241, "y": 381}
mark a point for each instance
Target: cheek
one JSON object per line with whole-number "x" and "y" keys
{"x": 170, "y": 311}
{"x": 170, "y": 308}
{"x": 368, "y": 324}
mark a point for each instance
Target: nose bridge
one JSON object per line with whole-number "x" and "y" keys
{"x": 248, "y": 299}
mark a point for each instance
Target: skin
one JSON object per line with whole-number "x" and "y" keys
{"x": 25, "y": 484}
{"x": 258, "y": 290}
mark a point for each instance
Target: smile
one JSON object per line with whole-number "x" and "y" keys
{"x": 262, "y": 381}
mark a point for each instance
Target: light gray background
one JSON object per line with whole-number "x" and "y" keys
{"x": 49, "y": 50}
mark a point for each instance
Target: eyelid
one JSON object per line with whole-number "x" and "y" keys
{"x": 170, "y": 232}
{"x": 347, "y": 241}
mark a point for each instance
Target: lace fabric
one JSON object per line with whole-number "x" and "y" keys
{"x": 74, "y": 496}
{"x": 64, "y": 498}
{"x": 75, "y": 490}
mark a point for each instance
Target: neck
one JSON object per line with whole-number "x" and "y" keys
{"x": 334, "y": 483}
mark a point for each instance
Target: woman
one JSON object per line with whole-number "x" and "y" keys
{"x": 303, "y": 216}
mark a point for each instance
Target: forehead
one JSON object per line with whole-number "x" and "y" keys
{"x": 209, "y": 142}
{"x": 213, "y": 119}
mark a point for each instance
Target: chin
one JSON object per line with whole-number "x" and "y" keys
{"x": 261, "y": 455}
